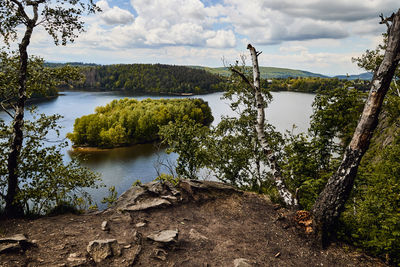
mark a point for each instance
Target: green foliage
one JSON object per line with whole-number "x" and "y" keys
{"x": 335, "y": 116}
{"x": 372, "y": 218}
{"x": 314, "y": 84}
{"x": 128, "y": 121}
{"x": 111, "y": 198}
{"x": 151, "y": 78}
{"x": 230, "y": 150}
{"x": 60, "y": 19}
{"x": 186, "y": 137}
{"x": 266, "y": 72}
{"x": 45, "y": 180}
{"x": 41, "y": 82}
{"x": 137, "y": 183}
{"x": 168, "y": 178}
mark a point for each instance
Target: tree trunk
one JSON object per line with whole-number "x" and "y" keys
{"x": 276, "y": 172}
{"x": 330, "y": 203}
{"x": 13, "y": 208}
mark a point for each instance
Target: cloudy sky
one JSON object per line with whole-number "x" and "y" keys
{"x": 314, "y": 35}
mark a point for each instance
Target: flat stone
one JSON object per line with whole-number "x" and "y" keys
{"x": 166, "y": 236}
{"x": 140, "y": 224}
{"x": 102, "y": 249}
{"x": 147, "y": 204}
{"x": 171, "y": 198}
{"x": 18, "y": 238}
{"x": 15, "y": 242}
{"x": 241, "y": 262}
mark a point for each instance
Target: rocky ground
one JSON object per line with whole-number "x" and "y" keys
{"x": 194, "y": 224}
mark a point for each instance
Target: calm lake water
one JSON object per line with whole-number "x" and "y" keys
{"x": 121, "y": 167}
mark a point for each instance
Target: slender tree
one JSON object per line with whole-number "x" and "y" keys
{"x": 62, "y": 20}
{"x": 330, "y": 203}
{"x": 259, "y": 125}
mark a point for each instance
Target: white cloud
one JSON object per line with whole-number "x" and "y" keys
{"x": 316, "y": 35}
{"x": 222, "y": 39}
{"x": 114, "y": 15}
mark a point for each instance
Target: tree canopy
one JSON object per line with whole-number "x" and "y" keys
{"x": 129, "y": 121}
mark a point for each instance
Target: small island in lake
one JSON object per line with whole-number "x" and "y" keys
{"x": 129, "y": 121}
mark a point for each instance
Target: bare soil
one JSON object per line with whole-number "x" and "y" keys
{"x": 212, "y": 232}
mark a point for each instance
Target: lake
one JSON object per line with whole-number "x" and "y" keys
{"x": 121, "y": 167}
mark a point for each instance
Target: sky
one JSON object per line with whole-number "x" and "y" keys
{"x": 320, "y": 36}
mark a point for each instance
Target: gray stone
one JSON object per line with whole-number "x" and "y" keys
{"x": 102, "y": 249}
{"x": 241, "y": 262}
{"x": 147, "y": 204}
{"x": 105, "y": 226}
{"x": 18, "y": 238}
{"x": 166, "y": 236}
{"x": 15, "y": 242}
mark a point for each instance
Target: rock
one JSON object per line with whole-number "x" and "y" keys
{"x": 141, "y": 224}
{"x": 147, "y": 204}
{"x": 241, "y": 262}
{"x": 193, "y": 234}
{"x": 132, "y": 254}
{"x": 193, "y": 185}
{"x": 160, "y": 254}
{"x": 105, "y": 226}
{"x": 166, "y": 236}
{"x": 170, "y": 198}
{"x": 15, "y": 242}
{"x": 18, "y": 238}
{"x": 102, "y": 249}
{"x": 76, "y": 257}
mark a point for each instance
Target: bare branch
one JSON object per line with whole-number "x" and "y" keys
{"x": 242, "y": 76}
{"x": 5, "y": 109}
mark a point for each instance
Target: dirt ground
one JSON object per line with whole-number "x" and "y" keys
{"x": 212, "y": 232}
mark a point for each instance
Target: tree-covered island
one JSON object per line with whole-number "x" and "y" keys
{"x": 129, "y": 121}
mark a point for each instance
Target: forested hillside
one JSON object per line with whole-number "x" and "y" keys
{"x": 151, "y": 78}
{"x": 267, "y": 72}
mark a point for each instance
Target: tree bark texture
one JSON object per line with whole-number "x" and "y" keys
{"x": 285, "y": 194}
{"x": 13, "y": 208}
{"x": 331, "y": 201}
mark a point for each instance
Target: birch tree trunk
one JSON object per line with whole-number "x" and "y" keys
{"x": 285, "y": 194}
{"x": 330, "y": 203}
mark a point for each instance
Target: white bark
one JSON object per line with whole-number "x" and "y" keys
{"x": 260, "y": 125}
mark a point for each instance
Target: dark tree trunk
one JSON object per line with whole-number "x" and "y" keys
{"x": 330, "y": 203}
{"x": 13, "y": 208}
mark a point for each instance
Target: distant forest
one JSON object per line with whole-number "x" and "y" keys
{"x": 151, "y": 78}
{"x": 172, "y": 79}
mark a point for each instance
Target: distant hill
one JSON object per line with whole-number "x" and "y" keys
{"x": 266, "y": 72}
{"x": 362, "y": 76}
{"x": 74, "y": 64}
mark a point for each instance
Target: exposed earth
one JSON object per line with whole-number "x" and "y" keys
{"x": 193, "y": 224}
